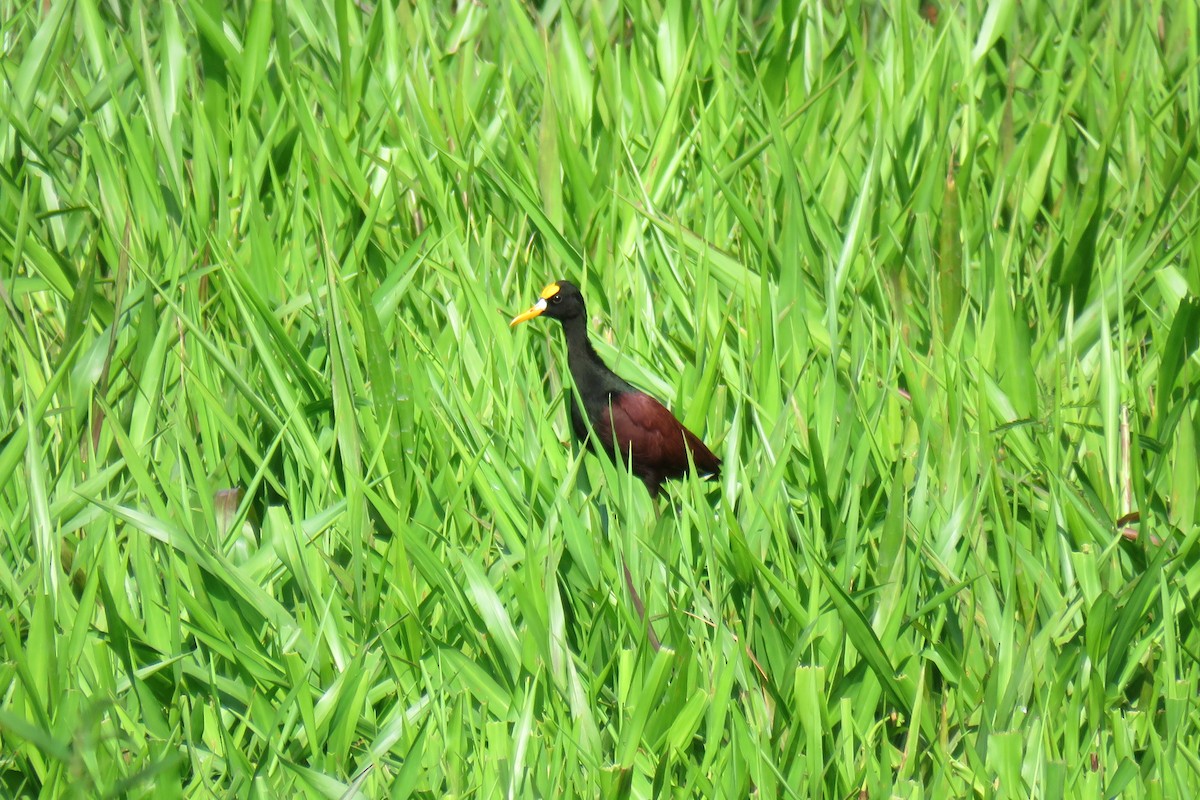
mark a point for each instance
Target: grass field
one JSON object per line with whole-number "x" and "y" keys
{"x": 288, "y": 511}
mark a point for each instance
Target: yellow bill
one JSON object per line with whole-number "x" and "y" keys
{"x": 537, "y": 308}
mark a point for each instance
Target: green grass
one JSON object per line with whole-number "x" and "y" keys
{"x": 287, "y": 510}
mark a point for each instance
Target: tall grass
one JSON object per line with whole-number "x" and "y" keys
{"x": 287, "y": 509}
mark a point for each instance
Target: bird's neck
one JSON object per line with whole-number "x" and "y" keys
{"x": 592, "y": 378}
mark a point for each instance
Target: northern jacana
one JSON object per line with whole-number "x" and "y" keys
{"x": 631, "y": 426}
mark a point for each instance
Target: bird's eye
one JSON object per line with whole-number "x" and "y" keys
{"x": 556, "y": 299}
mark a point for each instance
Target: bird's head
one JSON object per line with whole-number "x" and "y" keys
{"x": 560, "y": 300}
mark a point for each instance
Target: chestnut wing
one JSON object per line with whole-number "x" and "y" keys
{"x": 641, "y": 425}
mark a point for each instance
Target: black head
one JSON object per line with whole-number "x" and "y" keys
{"x": 560, "y": 300}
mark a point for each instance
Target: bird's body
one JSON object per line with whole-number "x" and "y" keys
{"x": 630, "y": 425}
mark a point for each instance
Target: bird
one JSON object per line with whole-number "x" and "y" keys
{"x": 630, "y": 425}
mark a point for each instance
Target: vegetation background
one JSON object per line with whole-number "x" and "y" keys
{"x": 287, "y": 510}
